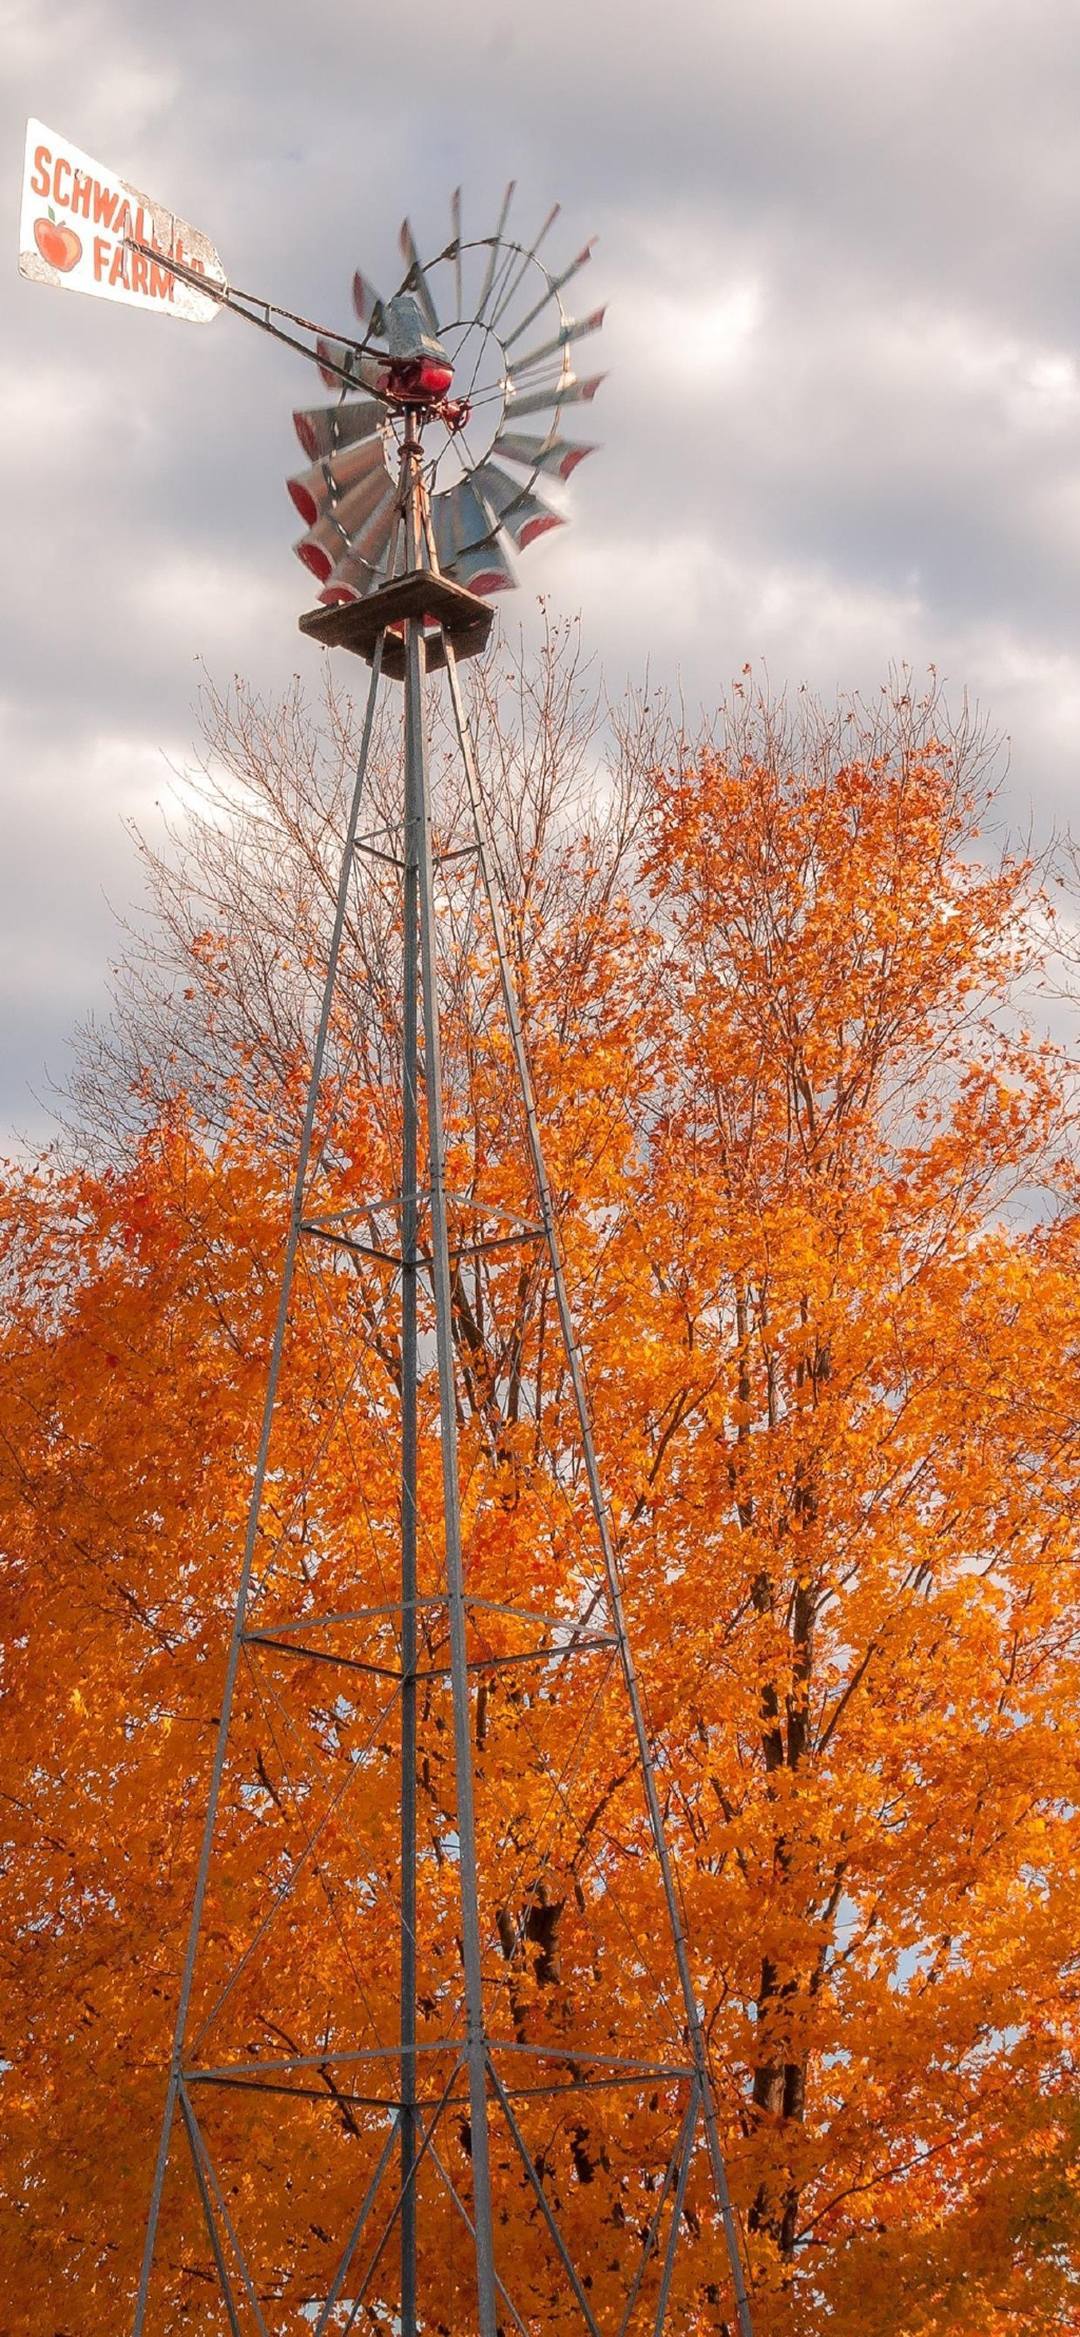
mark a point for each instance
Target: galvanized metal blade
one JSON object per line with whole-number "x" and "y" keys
{"x": 322, "y": 429}
{"x": 328, "y": 482}
{"x": 370, "y": 307}
{"x": 416, "y": 281}
{"x": 485, "y": 569}
{"x": 507, "y": 295}
{"x": 468, "y": 545}
{"x": 442, "y": 528}
{"x": 568, "y": 392}
{"x": 554, "y": 288}
{"x": 353, "y": 581}
{"x": 523, "y": 514}
{"x": 574, "y": 329}
{"x": 559, "y": 456}
{"x": 336, "y": 358}
{"x": 455, "y": 228}
{"x": 495, "y": 242}
{"x": 332, "y": 535}
{"x": 372, "y": 541}
{"x": 363, "y": 564}
{"x": 462, "y": 519}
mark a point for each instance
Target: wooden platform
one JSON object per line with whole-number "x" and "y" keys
{"x": 440, "y": 604}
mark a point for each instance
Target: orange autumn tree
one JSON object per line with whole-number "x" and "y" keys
{"x": 819, "y": 1203}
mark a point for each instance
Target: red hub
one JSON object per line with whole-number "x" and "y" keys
{"x": 421, "y": 381}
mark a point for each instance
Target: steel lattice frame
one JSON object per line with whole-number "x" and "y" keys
{"x": 474, "y": 2069}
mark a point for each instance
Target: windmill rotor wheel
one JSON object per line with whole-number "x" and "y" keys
{"x": 478, "y": 343}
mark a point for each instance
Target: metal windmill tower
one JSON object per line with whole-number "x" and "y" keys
{"x": 438, "y": 2062}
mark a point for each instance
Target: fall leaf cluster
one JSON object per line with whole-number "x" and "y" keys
{"x": 817, "y": 1191}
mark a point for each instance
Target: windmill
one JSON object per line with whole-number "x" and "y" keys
{"x": 500, "y": 2114}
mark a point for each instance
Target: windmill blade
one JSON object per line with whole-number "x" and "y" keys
{"x": 372, "y": 541}
{"x": 569, "y": 392}
{"x": 467, "y": 544}
{"x": 338, "y": 360}
{"x": 560, "y": 456}
{"x": 333, "y": 596}
{"x": 332, "y": 535}
{"x": 351, "y": 580}
{"x": 495, "y": 242}
{"x": 462, "y": 521}
{"x": 553, "y": 290}
{"x": 574, "y": 329}
{"x": 523, "y": 514}
{"x": 416, "y": 281}
{"x": 485, "y": 569}
{"x": 370, "y": 307}
{"x": 322, "y": 429}
{"x": 328, "y": 482}
{"x": 455, "y": 229}
{"x": 364, "y": 560}
{"x": 442, "y": 528}
{"x": 511, "y": 288}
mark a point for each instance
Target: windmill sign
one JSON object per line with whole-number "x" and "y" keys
{"x": 78, "y": 224}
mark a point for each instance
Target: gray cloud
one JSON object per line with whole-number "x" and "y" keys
{"x": 842, "y": 427}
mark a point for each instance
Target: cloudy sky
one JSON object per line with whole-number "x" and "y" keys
{"x": 840, "y": 240}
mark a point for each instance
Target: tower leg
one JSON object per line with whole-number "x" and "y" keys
{"x": 692, "y": 2011}
{"x": 414, "y": 779}
{"x": 292, "y": 1244}
{"x": 475, "y": 2049}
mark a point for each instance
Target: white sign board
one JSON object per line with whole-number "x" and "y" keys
{"x": 77, "y": 224}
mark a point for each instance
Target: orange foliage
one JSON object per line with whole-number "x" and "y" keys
{"x": 819, "y": 1210}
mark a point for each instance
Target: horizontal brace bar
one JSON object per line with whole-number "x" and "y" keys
{"x": 633, "y": 2080}
{"x": 392, "y": 1201}
{"x": 338, "y": 2099}
{"x": 347, "y": 1241}
{"x": 351, "y": 1663}
{"x": 523, "y": 1614}
{"x": 305, "y": 2093}
{"x": 395, "y": 1607}
{"x": 487, "y": 1208}
{"x": 577, "y": 2054}
{"x": 371, "y": 852}
{"x": 330, "y": 2059}
{"x": 392, "y": 828}
{"x": 487, "y": 1663}
{"x": 499, "y": 1241}
{"x": 422, "y": 1197}
{"x": 360, "y": 1614}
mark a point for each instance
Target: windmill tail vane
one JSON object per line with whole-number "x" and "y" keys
{"x": 438, "y": 2058}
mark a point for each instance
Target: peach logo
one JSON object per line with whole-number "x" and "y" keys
{"x": 60, "y": 246}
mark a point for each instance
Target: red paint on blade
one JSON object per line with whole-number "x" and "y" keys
{"x": 316, "y": 559}
{"x": 538, "y": 527}
{"x": 304, "y": 501}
